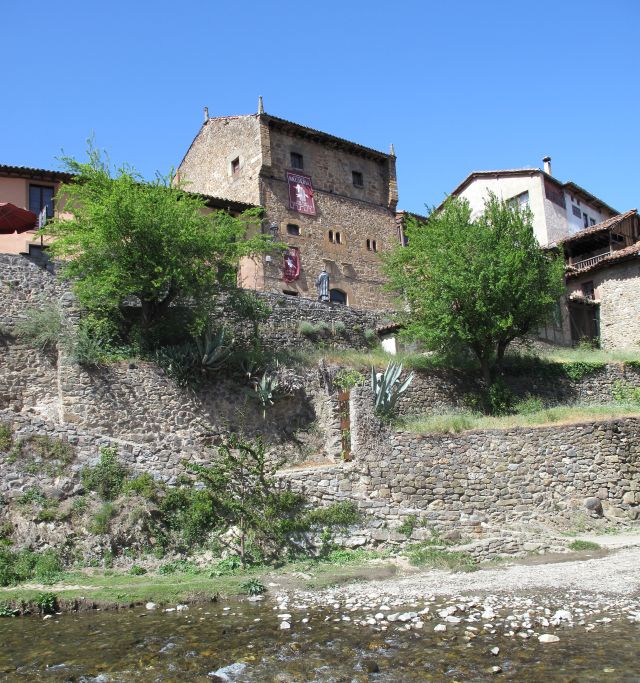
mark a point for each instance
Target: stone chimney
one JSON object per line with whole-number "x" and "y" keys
{"x": 260, "y": 105}
{"x": 547, "y": 165}
{"x": 206, "y": 114}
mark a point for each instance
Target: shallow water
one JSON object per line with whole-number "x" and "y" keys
{"x": 166, "y": 647}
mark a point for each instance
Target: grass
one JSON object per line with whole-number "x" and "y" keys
{"x": 585, "y": 355}
{"x": 583, "y": 545}
{"x": 454, "y": 423}
{"x": 427, "y": 556}
{"x": 110, "y": 588}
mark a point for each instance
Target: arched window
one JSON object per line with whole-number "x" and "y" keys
{"x": 337, "y": 296}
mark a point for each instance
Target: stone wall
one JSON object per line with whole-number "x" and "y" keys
{"x": 478, "y": 480}
{"x": 619, "y": 305}
{"x": 440, "y": 391}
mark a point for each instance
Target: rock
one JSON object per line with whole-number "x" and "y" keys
{"x": 495, "y": 651}
{"x": 594, "y": 505}
{"x": 150, "y": 605}
{"x": 629, "y": 498}
{"x": 496, "y": 669}
{"x": 182, "y": 608}
{"x": 285, "y": 625}
{"x": 370, "y": 666}
{"x": 634, "y": 513}
{"x": 227, "y": 672}
{"x": 548, "y": 638}
{"x": 440, "y": 628}
{"x": 406, "y": 616}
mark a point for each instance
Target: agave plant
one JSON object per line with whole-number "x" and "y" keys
{"x": 265, "y": 389}
{"x": 212, "y": 350}
{"x": 386, "y": 389}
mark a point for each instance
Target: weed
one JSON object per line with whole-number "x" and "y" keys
{"x": 426, "y": 555}
{"x": 528, "y": 406}
{"x": 229, "y": 565}
{"x": 143, "y": 485}
{"x": 178, "y": 567}
{"x": 48, "y": 567}
{"x": 253, "y": 587}
{"x": 79, "y": 506}
{"x": 6, "y": 610}
{"x": 101, "y": 520}
{"x": 344, "y": 513}
{"x": 347, "y": 378}
{"x": 137, "y": 570}
{"x": 107, "y": 477}
{"x": 583, "y": 545}
{"x": 32, "y": 495}
{"x": 41, "y": 327}
{"x": 307, "y": 329}
{"x": 6, "y": 437}
{"x": 47, "y": 603}
{"x": 408, "y": 525}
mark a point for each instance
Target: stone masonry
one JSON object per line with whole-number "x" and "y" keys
{"x": 361, "y": 215}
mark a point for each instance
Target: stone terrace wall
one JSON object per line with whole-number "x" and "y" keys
{"x": 442, "y": 390}
{"x": 476, "y": 478}
{"x": 287, "y": 312}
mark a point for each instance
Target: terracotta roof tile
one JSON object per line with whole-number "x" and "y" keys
{"x": 599, "y": 227}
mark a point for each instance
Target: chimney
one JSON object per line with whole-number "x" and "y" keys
{"x": 260, "y": 105}
{"x": 547, "y": 165}
{"x": 206, "y": 114}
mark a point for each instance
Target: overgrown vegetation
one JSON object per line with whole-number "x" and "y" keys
{"x": 583, "y": 545}
{"x": 42, "y": 454}
{"x": 427, "y": 555}
{"x": 40, "y": 327}
{"x": 16, "y": 567}
{"x": 387, "y": 388}
{"x": 6, "y": 437}
{"x": 107, "y": 477}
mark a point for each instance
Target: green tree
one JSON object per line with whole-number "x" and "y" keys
{"x": 120, "y": 237}
{"x": 475, "y": 284}
{"x": 249, "y": 499}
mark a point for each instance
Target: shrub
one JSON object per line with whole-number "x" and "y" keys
{"x": 41, "y": 327}
{"x": 339, "y": 327}
{"x": 137, "y": 570}
{"x": 307, "y": 329}
{"x": 144, "y": 485}
{"x": 499, "y": 398}
{"x": 624, "y": 392}
{"x": 48, "y": 566}
{"x": 228, "y": 565}
{"x": 107, "y": 477}
{"x": 579, "y": 369}
{"x": 408, "y": 525}
{"x": 6, "y": 437}
{"x": 101, "y": 520}
{"x": 32, "y": 495}
{"x": 425, "y": 555}
{"x": 79, "y": 505}
{"x": 179, "y": 567}
{"x": 347, "y": 378}
{"x": 344, "y": 513}
{"x": 370, "y": 336}
{"x": 529, "y": 405}
{"x": 7, "y": 611}
{"x": 47, "y": 603}
{"x": 253, "y": 587}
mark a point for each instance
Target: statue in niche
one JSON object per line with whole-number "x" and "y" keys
{"x": 322, "y": 285}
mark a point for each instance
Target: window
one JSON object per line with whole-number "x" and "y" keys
{"x": 585, "y": 220}
{"x": 289, "y": 292}
{"x": 297, "y": 161}
{"x": 293, "y": 229}
{"x": 335, "y": 237}
{"x": 588, "y": 290}
{"x": 519, "y": 201}
{"x": 338, "y": 238}
{"x": 337, "y": 296}
{"x": 39, "y": 196}
{"x": 358, "y": 179}
{"x": 592, "y": 221}
{"x": 235, "y": 165}
{"x": 576, "y": 211}
{"x": 372, "y": 245}
{"x": 330, "y": 235}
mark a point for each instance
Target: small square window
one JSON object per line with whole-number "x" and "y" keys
{"x": 235, "y": 165}
{"x": 358, "y": 179}
{"x": 293, "y": 229}
{"x": 297, "y": 161}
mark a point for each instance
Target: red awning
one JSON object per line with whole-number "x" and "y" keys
{"x": 14, "y": 219}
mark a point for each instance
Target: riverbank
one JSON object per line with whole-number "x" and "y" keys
{"x": 350, "y": 577}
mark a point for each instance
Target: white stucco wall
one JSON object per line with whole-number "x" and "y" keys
{"x": 506, "y": 187}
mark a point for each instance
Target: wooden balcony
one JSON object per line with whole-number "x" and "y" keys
{"x": 588, "y": 262}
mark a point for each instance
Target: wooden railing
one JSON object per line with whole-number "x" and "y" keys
{"x": 588, "y": 262}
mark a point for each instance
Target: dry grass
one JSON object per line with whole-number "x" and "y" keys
{"x": 454, "y": 423}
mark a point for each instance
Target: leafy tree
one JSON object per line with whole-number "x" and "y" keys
{"x": 120, "y": 237}
{"x": 248, "y": 498}
{"x": 475, "y": 284}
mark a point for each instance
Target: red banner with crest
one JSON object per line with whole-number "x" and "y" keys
{"x": 291, "y": 264}
{"x": 301, "y": 193}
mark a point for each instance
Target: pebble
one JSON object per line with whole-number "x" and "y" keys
{"x": 548, "y": 638}
{"x": 285, "y": 625}
{"x": 150, "y": 605}
{"x": 440, "y": 628}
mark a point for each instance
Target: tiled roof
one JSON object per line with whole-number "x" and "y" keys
{"x": 312, "y": 132}
{"x": 614, "y": 257}
{"x": 599, "y": 227}
{"x": 6, "y": 169}
{"x": 568, "y": 186}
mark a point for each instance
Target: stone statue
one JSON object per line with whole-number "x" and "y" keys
{"x": 322, "y": 285}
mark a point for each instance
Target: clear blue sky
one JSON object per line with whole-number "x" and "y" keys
{"x": 456, "y": 86}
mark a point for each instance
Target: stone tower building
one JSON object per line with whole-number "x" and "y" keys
{"x": 330, "y": 200}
